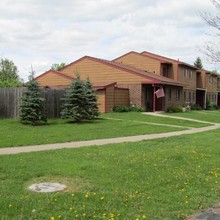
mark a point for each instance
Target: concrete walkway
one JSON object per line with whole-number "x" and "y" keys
{"x": 99, "y": 142}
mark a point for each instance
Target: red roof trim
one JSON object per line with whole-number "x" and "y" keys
{"x": 57, "y": 73}
{"x": 103, "y": 86}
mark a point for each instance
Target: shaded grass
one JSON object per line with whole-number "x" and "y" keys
{"x": 12, "y": 133}
{"x": 167, "y": 178}
{"x": 209, "y": 116}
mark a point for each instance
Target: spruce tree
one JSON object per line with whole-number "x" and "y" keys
{"x": 91, "y": 105}
{"x": 32, "y": 108}
{"x": 198, "y": 63}
{"x": 75, "y": 101}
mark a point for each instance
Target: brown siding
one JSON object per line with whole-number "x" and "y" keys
{"x": 141, "y": 62}
{"x": 101, "y": 100}
{"x": 189, "y": 79}
{"x": 212, "y": 97}
{"x": 173, "y": 100}
{"x": 122, "y": 97}
{"x": 53, "y": 80}
{"x": 211, "y": 83}
{"x": 110, "y": 98}
{"x": 100, "y": 72}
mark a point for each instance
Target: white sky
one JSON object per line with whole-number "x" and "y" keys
{"x": 43, "y": 32}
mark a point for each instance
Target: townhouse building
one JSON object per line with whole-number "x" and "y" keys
{"x": 147, "y": 80}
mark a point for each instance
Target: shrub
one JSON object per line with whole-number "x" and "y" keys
{"x": 211, "y": 106}
{"x": 196, "y": 107}
{"x": 174, "y": 109}
{"x": 131, "y": 108}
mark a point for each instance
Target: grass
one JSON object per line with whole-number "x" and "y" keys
{"x": 159, "y": 179}
{"x": 13, "y": 134}
{"x": 209, "y": 116}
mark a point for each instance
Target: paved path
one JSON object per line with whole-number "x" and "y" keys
{"x": 98, "y": 142}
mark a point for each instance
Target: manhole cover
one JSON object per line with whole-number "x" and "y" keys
{"x": 47, "y": 187}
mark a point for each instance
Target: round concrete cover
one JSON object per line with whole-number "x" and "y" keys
{"x": 47, "y": 187}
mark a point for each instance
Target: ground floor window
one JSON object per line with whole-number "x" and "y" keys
{"x": 190, "y": 97}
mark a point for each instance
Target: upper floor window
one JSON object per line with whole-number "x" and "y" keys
{"x": 211, "y": 79}
{"x": 190, "y": 73}
{"x": 185, "y": 72}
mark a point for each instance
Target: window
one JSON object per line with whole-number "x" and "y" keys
{"x": 170, "y": 94}
{"x": 177, "y": 94}
{"x": 190, "y": 73}
{"x": 189, "y": 96}
{"x": 193, "y": 96}
{"x": 185, "y": 73}
{"x": 184, "y": 94}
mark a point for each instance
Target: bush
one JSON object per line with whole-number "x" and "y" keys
{"x": 174, "y": 109}
{"x": 131, "y": 108}
{"x": 211, "y": 106}
{"x": 196, "y": 107}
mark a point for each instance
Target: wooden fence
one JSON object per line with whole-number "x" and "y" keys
{"x": 10, "y": 100}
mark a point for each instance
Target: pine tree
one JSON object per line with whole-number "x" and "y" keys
{"x": 75, "y": 101}
{"x": 32, "y": 109}
{"x": 198, "y": 63}
{"x": 92, "y": 107}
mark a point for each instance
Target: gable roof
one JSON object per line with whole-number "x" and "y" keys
{"x": 142, "y": 55}
{"x": 146, "y": 53}
{"x": 156, "y": 79}
{"x": 56, "y": 73}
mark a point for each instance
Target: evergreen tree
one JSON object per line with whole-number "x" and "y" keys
{"x": 92, "y": 107}
{"x": 80, "y": 102}
{"x": 75, "y": 101}
{"x": 32, "y": 109}
{"x": 198, "y": 63}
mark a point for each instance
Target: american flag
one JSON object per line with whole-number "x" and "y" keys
{"x": 160, "y": 93}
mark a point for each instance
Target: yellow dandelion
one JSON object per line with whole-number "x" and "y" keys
{"x": 52, "y": 218}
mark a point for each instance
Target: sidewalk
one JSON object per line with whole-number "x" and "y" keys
{"x": 99, "y": 142}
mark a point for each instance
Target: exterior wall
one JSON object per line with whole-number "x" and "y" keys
{"x": 212, "y": 97}
{"x": 141, "y": 62}
{"x": 218, "y": 83}
{"x": 211, "y": 83}
{"x": 189, "y": 95}
{"x": 187, "y": 76}
{"x": 101, "y": 72}
{"x": 135, "y": 94}
{"x": 53, "y": 80}
{"x": 101, "y": 100}
{"x": 110, "y": 98}
{"x": 122, "y": 97}
{"x": 201, "y": 80}
{"x": 172, "y": 97}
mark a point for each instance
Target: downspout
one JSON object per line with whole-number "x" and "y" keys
{"x": 205, "y": 99}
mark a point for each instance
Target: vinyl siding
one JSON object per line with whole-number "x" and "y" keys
{"x": 141, "y": 62}
{"x": 100, "y": 72}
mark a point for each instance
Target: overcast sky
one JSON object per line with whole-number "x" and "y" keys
{"x": 43, "y": 32}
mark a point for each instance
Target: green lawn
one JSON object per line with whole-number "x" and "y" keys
{"x": 167, "y": 178}
{"x": 12, "y": 133}
{"x": 210, "y": 116}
